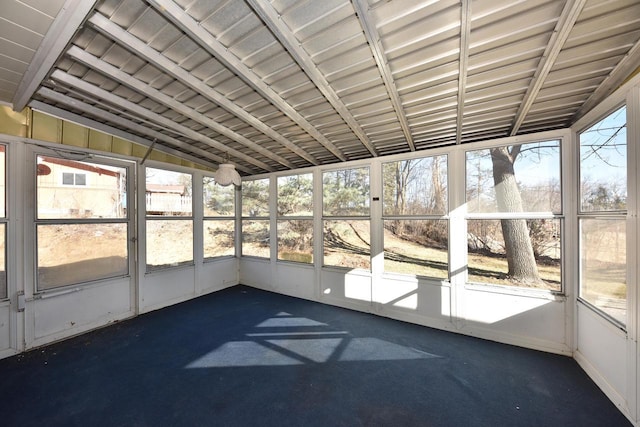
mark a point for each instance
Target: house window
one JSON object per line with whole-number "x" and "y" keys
{"x": 169, "y": 219}
{"x": 346, "y": 218}
{"x": 415, "y": 201}
{"x": 81, "y": 233}
{"x": 602, "y": 216}
{"x": 218, "y": 219}
{"x": 295, "y": 218}
{"x": 514, "y": 215}
{"x": 255, "y": 218}
{"x": 69, "y": 178}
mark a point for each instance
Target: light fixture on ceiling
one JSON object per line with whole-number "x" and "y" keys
{"x": 227, "y": 174}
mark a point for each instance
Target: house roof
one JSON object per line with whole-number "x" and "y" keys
{"x": 284, "y": 84}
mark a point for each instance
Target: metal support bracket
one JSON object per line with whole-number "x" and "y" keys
{"x": 21, "y": 301}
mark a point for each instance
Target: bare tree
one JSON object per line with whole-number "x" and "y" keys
{"x": 520, "y": 256}
{"x": 439, "y": 188}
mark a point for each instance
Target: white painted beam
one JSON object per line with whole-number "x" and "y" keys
{"x": 561, "y": 32}
{"x": 207, "y": 41}
{"x": 373, "y": 38}
{"x": 271, "y": 18}
{"x": 60, "y": 98}
{"x": 92, "y": 124}
{"x": 465, "y": 34}
{"x": 626, "y": 66}
{"x": 120, "y": 76}
{"x": 135, "y": 45}
{"x": 64, "y": 26}
{"x": 124, "y": 104}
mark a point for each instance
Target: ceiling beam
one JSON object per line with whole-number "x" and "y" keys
{"x": 623, "y": 70}
{"x": 121, "y": 103}
{"x": 62, "y": 29}
{"x": 465, "y": 34}
{"x": 373, "y": 38}
{"x": 60, "y": 98}
{"x": 126, "y": 79}
{"x": 105, "y": 106}
{"x": 92, "y": 124}
{"x": 566, "y": 21}
{"x": 272, "y": 19}
{"x": 207, "y": 41}
{"x": 139, "y": 48}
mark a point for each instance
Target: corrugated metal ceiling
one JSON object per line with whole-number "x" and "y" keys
{"x": 285, "y": 84}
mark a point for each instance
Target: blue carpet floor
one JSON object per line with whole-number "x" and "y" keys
{"x": 244, "y": 357}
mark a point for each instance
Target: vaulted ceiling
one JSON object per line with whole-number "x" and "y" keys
{"x": 284, "y": 84}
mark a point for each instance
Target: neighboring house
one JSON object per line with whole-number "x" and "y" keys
{"x": 166, "y": 199}
{"x": 74, "y": 189}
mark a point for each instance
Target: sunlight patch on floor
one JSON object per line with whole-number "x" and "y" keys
{"x": 296, "y": 346}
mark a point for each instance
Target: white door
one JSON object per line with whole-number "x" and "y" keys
{"x": 79, "y": 243}
{"x": 9, "y": 315}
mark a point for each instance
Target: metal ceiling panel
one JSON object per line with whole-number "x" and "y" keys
{"x": 602, "y": 36}
{"x": 23, "y": 26}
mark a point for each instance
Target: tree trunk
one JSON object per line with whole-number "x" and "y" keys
{"x": 520, "y": 258}
{"x": 438, "y": 188}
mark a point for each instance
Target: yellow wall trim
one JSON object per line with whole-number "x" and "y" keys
{"x": 37, "y": 125}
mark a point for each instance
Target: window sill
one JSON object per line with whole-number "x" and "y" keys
{"x": 162, "y": 269}
{"x": 401, "y": 277}
{"x": 516, "y": 291}
{"x": 610, "y": 320}
{"x": 338, "y": 269}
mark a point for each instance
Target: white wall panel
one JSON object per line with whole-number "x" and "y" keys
{"x": 163, "y": 288}
{"x": 219, "y": 274}
{"x": 602, "y": 352}
{"x": 295, "y": 280}
{"x": 346, "y": 288}
{"x": 292, "y": 279}
{"x": 256, "y": 272}
{"x": 534, "y": 321}
{"x": 5, "y": 326}
{"x": 413, "y": 300}
{"x": 57, "y": 316}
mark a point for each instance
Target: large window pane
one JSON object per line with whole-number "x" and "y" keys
{"x": 347, "y": 243}
{"x": 295, "y": 240}
{"x": 255, "y": 198}
{"x": 76, "y": 253}
{"x": 219, "y": 233}
{"x": 255, "y": 232}
{"x": 168, "y": 193}
{"x": 219, "y": 238}
{"x": 603, "y": 265}
{"x": 416, "y": 247}
{"x": 255, "y": 238}
{"x": 295, "y": 195}
{"x": 346, "y": 192}
{"x": 516, "y": 178}
{"x": 169, "y": 243}
{"x": 603, "y": 190}
{"x": 415, "y": 187}
{"x": 537, "y": 239}
{"x": 73, "y": 189}
{"x": 217, "y": 200}
{"x": 295, "y": 236}
{"x": 603, "y": 164}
